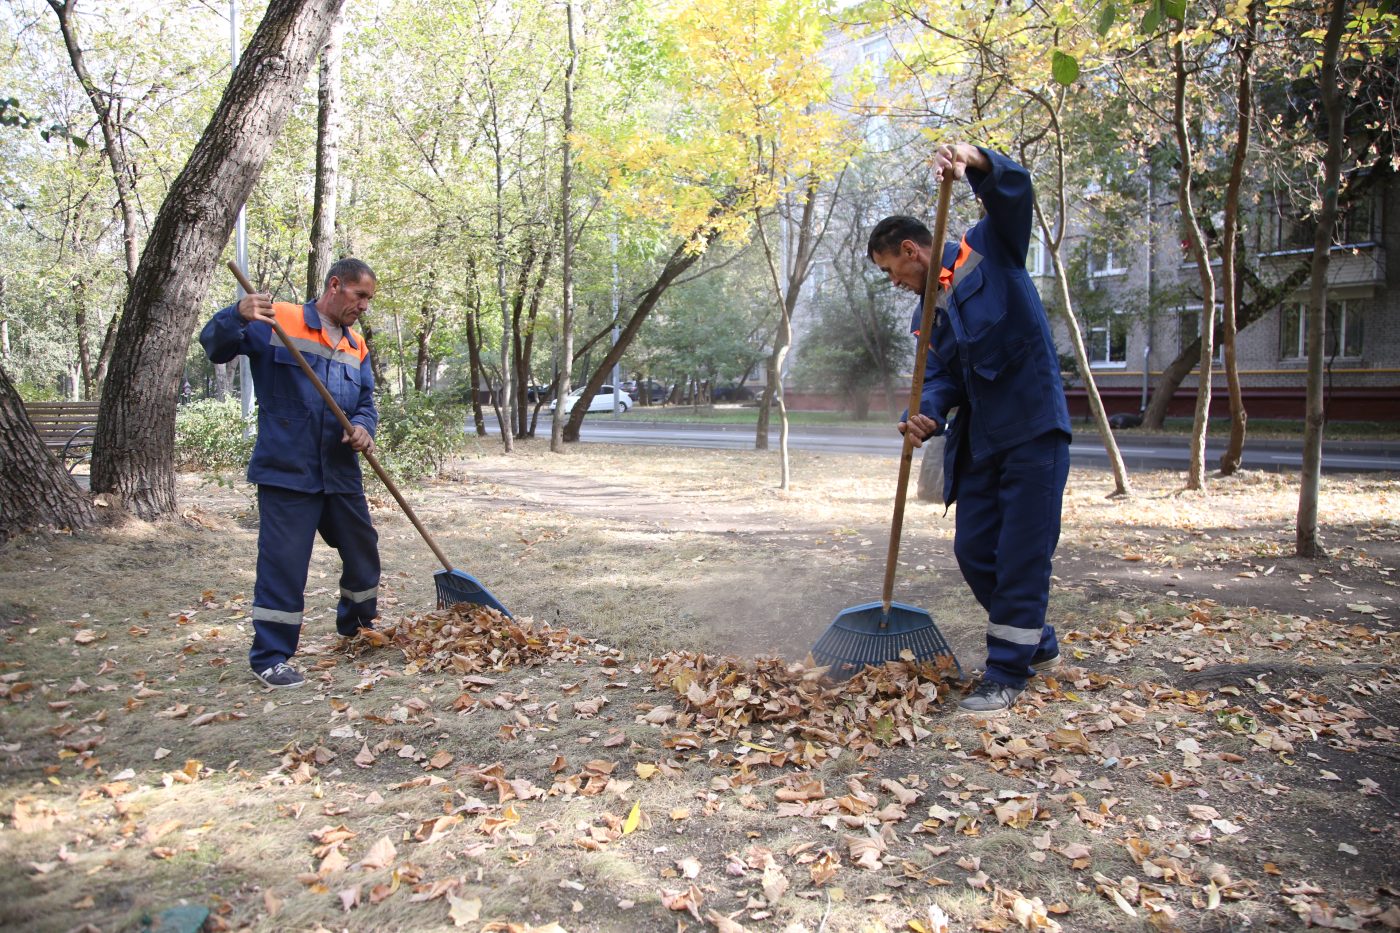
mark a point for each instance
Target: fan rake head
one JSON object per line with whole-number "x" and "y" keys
{"x": 454, "y": 586}
{"x": 869, "y": 635}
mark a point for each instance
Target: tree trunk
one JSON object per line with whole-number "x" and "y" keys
{"x": 527, "y": 346}
{"x": 1265, "y": 300}
{"x": 809, "y": 236}
{"x": 1195, "y": 477}
{"x": 681, "y": 259}
{"x": 1053, "y": 241}
{"x": 403, "y": 357}
{"x": 1234, "y": 451}
{"x": 318, "y": 261}
{"x": 498, "y": 146}
{"x": 4, "y": 324}
{"x": 1307, "y": 539}
{"x": 565, "y": 353}
{"x": 104, "y": 356}
{"x": 376, "y": 359}
{"x": 1121, "y": 485}
{"x": 80, "y": 331}
{"x": 525, "y": 309}
{"x": 474, "y": 359}
{"x": 421, "y": 360}
{"x": 122, "y": 176}
{"x": 35, "y": 490}
{"x": 133, "y": 453}
{"x": 223, "y": 379}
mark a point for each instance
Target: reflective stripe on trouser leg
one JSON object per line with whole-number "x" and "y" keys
{"x": 346, "y": 526}
{"x": 1028, "y": 483}
{"x": 287, "y": 523}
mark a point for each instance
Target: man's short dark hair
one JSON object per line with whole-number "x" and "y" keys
{"x": 892, "y": 231}
{"x": 350, "y": 270}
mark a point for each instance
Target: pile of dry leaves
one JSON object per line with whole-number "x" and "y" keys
{"x": 469, "y": 639}
{"x": 726, "y": 698}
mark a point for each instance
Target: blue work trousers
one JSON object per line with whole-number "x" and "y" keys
{"x": 287, "y": 526}
{"x": 1007, "y": 526}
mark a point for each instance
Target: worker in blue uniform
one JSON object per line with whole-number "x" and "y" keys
{"x": 1006, "y": 457}
{"x": 305, "y": 466}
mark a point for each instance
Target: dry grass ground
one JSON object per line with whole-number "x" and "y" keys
{"x": 1218, "y": 752}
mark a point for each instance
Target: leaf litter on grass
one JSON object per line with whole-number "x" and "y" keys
{"x": 1128, "y": 794}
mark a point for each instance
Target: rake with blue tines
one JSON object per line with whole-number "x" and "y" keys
{"x": 873, "y": 633}
{"x": 453, "y": 586}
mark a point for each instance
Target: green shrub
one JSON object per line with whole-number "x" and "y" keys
{"x": 418, "y": 434}
{"x": 414, "y": 438}
{"x": 209, "y": 436}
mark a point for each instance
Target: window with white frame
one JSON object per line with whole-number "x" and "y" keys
{"x": 1190, "y": 328}
{"x": 1106, "y": 341}
{"x": 1038, "y": 256}
{"x": 1105, "y": 259}
{"x": 876, "y": 50}
{"x": 1345, "y": 330}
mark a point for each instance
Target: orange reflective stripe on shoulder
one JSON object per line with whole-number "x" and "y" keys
{"x": 945, "y": 276}
{"x": 311, "y": 340}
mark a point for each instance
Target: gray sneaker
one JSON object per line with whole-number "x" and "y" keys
{"x": 280, "y": 676}
{"x": 1045, "y": 662}
{"x": 989, "y": 699}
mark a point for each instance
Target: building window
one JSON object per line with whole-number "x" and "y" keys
{"x": 1345, "y": 330}
{"x": 1190, "y": 329}
{"x": 876, "y": 50}
{"x": 1107, "y": 342}
{"x": 1038, "y": 256}
{"x": 1285, "y": 231}
{"x": 1104, "y": 260}
{"x": 1357, "y": 225}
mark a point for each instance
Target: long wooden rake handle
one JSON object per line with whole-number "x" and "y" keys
{"x": 345, "y": 423}
{"x": 916, "y": 389}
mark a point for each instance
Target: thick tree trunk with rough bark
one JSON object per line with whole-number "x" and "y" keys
{"x": 35, "y": 490}
{"x": 133, "y": 453}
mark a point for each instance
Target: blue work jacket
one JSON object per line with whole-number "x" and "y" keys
{"x": 991, "y": 355}
{"x": 299, "y": 444}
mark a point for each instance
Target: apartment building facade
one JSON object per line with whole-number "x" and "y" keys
{"x": 1142, "y": 306}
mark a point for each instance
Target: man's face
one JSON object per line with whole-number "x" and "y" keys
{"x": 906, "y": 266}
{"x": 346, "y": 301}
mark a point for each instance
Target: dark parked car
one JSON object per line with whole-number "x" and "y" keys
{"x": 731, "y": 394}
{"x": 535, "y": 394}
{"x": 656, "y": 393}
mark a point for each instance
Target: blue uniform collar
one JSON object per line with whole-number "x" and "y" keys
{"x": 313, "y": 321}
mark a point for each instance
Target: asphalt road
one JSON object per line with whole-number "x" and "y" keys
{"x": 1139, "y": 452}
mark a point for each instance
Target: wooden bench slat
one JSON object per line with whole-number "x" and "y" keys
{"x": 66, "y": 428}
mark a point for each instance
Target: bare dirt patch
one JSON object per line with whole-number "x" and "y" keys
{"x": 1219, "y": 750}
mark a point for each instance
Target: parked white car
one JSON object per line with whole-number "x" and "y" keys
{"x": 602, "y": 401}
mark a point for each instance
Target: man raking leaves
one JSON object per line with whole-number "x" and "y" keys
{"x": 991, "y": 356}
{"x": 304, "y": 463}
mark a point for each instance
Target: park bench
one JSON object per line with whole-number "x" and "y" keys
{"x": 66, "y": 428}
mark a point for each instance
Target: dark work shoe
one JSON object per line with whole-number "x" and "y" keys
{"x": 280, "y": 676}
{"x": 989, "y": 699}
{"x": 1041, "y": 662}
